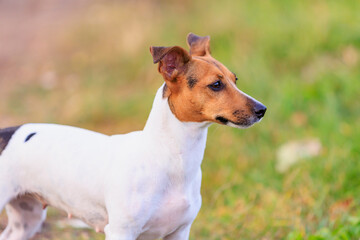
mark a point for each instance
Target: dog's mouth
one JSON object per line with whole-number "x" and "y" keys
{"x": 241, "y": 123}
{"x": 222, "y": 120}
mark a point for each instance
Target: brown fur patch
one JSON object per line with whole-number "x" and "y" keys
{"x": 199, "y": 46}
{"x": 166, "y": 91}
{"x": 5, "y": 136}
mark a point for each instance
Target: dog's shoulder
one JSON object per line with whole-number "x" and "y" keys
{"x": 5, "y": 136}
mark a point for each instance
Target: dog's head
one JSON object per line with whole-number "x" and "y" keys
{"x": 199, "y": 88}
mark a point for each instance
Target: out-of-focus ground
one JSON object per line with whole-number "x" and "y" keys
{"x": 292, "y": 176}
{"x": 28, "y": 34}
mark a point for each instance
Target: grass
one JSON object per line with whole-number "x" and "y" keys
{"x": 300, "y": 58}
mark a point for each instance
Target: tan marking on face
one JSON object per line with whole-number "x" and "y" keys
{"x": 200, "y": 103}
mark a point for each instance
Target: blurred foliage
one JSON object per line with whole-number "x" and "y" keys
{"x": 300, "y": 58}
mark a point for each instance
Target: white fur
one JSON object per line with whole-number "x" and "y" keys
{"x": 141, "y": 185}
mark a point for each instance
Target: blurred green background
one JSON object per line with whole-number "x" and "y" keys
{"x": 87, "y": 64}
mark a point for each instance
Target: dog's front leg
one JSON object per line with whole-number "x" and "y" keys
{"x": 118, "y": 231}
{"x": 123, "y": 223}
{"x": 182, "y": 233}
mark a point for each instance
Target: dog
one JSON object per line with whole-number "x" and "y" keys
{"x": 141, "y": 185}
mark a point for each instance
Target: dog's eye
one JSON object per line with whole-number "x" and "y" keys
{"x": 236, "y": 78}
{"x": 216, "y": 86}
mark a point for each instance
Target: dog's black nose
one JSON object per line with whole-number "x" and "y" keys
{"x": 259, "y": 110}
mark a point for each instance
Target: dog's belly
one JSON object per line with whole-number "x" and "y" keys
{"x": 96, "y": 218}
{"x": 88, "y": 210}
{"x": 92, "y": 214}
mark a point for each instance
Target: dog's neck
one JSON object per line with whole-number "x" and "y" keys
{"x": 184, "y": 141}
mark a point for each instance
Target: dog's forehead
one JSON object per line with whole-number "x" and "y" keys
{"x": 209, "y": 65}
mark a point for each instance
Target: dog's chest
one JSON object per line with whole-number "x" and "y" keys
{"x": 173, "y": 212}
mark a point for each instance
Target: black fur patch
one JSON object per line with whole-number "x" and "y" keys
{"x": 222, "y": 119}
{"x": 5, "y": 136}
{"x": 191, "y": 81}
{"x": 29, "y": 136}
{"x": 164, "y": 90}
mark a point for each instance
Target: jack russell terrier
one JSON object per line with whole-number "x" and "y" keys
{"x": 142, "y": 185}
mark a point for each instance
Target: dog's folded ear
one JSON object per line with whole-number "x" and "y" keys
{"x": 172, "y": 60}
{"x": 199, "y": 46}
